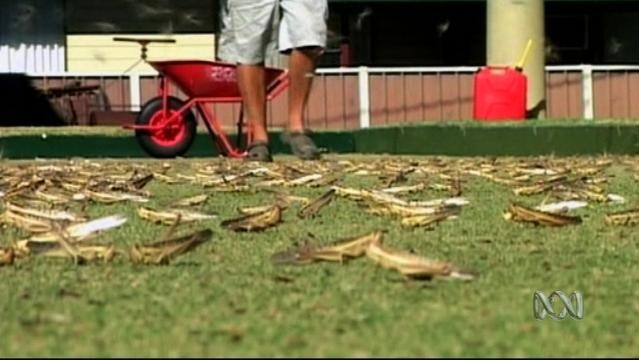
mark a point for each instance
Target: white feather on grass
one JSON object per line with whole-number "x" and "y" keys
{"x": 562, "y": 206}
{"x": 616, "y": 198}
{"x": 78, "y": 232}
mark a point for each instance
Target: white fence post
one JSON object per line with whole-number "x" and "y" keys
{"x": 364, "y": 98}
{"x": 134, "y": 89}
{"x": 587, "y": 92}
{"x": 5, "y": 56}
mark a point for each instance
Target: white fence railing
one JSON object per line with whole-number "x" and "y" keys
{"x": 31, "y": 58}
{"x": 363, "y": 73}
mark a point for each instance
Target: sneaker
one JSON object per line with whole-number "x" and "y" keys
{"x": 259, "y": 151}
{"x": 301, "y": 145}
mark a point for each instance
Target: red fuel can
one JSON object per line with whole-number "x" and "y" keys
{"x": 500, "y": 94}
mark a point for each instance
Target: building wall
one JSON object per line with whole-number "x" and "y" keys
{"x": 96, "y": 53}
{"x": 92, "y": 24}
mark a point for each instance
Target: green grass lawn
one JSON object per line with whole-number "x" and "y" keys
{"x": 226, "y": 298}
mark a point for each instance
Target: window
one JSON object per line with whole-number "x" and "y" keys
{"x": 620, "y": 38}
{"x": 141, "y": 16}
{"x": 428, "y": 34}
{"x": 568, "y": 32}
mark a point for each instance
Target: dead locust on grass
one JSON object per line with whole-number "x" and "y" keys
{"x": 162, "y": 252}
{"x": 628, "y": 217}
{"x": 314, "y": 207}
{"x": 171, "y": 216}
{"x": 338, "y": 251}
{"x": 521, "y": 213}
{"x": 414, "y": 266}
{"x": 271, "y": 216}
{"x": 192, "y": 201}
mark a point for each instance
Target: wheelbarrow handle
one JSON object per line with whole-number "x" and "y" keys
{"x": 144, "y": 41}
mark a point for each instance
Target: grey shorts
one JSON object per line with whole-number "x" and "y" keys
{"x": 251, "y": 28}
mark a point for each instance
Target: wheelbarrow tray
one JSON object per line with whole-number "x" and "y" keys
{"x": 209, "y": 79}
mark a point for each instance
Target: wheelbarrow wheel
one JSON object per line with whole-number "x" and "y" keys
{"x": 175, "y": 137}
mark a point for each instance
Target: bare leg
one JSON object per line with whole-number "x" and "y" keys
{"x": 251, "y": 81}
{"x": 302, "y": 64}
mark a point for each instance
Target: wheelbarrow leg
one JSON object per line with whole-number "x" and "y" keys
{"x": 244, "y": 132}
{"x": 240, "y": 129}
{"x": 224, "y": 145}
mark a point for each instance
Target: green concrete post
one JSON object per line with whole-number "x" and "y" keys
{"x": 509, "y": 26}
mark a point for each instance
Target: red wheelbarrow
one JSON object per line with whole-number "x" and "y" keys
{"x": 166, "y": 125}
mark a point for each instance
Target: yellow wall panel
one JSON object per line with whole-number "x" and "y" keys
{"x": 97, "y": 53}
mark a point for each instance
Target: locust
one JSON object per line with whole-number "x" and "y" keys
{"x": 232, "y": 188}
{"x": 109, "y": 197}
{"x": 172, "y": 216}
{"x": 407, "y": 211}
{"x": 337, "y": 252}
{"x": 517, "y": 212}
{"x": 453, "y": 201}
{"x": 456, "y": 186}
{"x": 190, "y": 178}
{"x": 287, "y": 199}
{"x": 326, "y": 180}
{"x": 270, "y": 183}
{"x": 399, "y": 177}
{"x": 7, "y": 256}
{"x": 42, "y": 214}
{"x": 282, "y": 200}
{"x": 166, "y": 179}
{"x": 532, "y": 189}
{"x": 313, "y": 208}
{"x": 26, "y": 222}
{"x": 71, "y": 187}
{"x": 592, "y": 195}
{"x": 441, "y": 187}
{"x": 628, "y": 217}
{"x": 304, "y": 180}
{"x": 80, "y": 253}
{"x": 404, "y": 189}
{"x": 271, "y": 216}
{"x": 355, "y": 194}
{"x": 51, "y": 197}
{"x": 164, "y": 251}
{"x": 428, "y": 220}
{"x": 413, "y": 266}
{"x": 537, "y": 171}
{"x": 378, "y": 197}
{"x": 139, "y": 181}
{"x": 208, "y": 181}
{"x": 66, "y": 249}
{"x": 192, "y": 201}
{"x": 494, "y": 178}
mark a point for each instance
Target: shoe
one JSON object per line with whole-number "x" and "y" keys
{"x": 259, "y": 151}
{"x": 301, "y": 145}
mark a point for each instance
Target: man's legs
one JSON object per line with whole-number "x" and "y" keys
{"x": 252, "y": 86}
{"x": 303, "y": 35}
{"x": 302, "y": 64}
{"x": 248, "y": 28}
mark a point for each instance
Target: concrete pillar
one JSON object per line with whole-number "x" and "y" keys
{"x": 509, "y": 26}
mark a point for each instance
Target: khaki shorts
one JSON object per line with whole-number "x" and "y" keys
{"x": 249, "y": 28}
